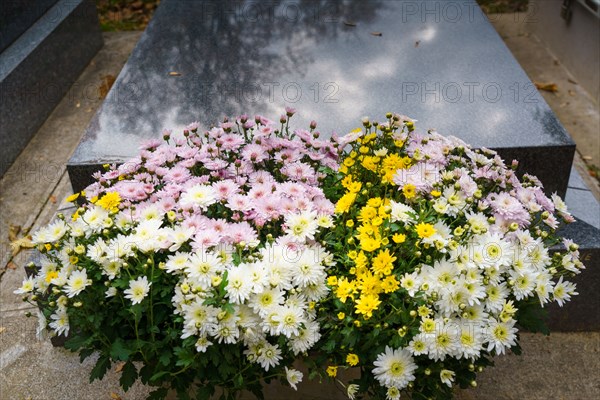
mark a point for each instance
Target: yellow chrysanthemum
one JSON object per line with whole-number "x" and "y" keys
{"x": 383, "y": 262}
{"x": 345, "y": 289}
{"x": 399, "y": 238}
{"x": 390, "y": 284}
{"x": 352, "y": 359}
{"x": 344, "y": 203}
{"x": 366, "y": 304}
{"x": 332, "y": 371}
{"x": 409, "y": 190}
{"x": 110, "y": 201}
{"x": 425, "y": 230}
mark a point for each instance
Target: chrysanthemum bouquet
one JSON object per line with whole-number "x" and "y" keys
{"x": 200, "y": 259}
{"x": 440, "y": 253}
{"x": 218, "y": 258}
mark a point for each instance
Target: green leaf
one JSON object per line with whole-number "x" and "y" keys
{"x": 158, "y": 394}
{"x": 165, "y": 358}
{"x": 158, "y": 375}
{"x": 204, "y": 392}
{"x": 99, "y": 370}
{"x": 128, "y": 376}
{"x": 76, "y": 342}
{"x": 85, "y": 353}
{"x": 119, "y": 351}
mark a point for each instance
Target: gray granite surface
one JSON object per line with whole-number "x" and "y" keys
{"x": 581, "y": 314}
{"x": 16, "y": 16}
{"x": 440, "y": 62}
{"x": 38, "y": 69}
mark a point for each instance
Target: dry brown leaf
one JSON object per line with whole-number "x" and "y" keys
{"x": 115, "y": 396}
{"x": 78, "y": 105}
{"x": 173, "y": 73}
{"x": 548, "y": 87}
{"x": 376, "y": 33}
{"x": 2, "y": 329}
{"x": 11, "y": 265}
{"x": 120, "y": 366}
{"x": 349, "y": 23}
{"x": 587, "y": 157}
{"x": 22, "y": 243}
{"x": 417, "y": 43}
{"x": 571, "y": 93}
{"x": 52, "y": 199}
{"x": 105, "y": 85}
{"x": 572, "y": 81}
{"x": 13, "y": 231}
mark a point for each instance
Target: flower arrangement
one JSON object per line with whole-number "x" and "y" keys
{"x": 218, "y": 258}
{"x": 200, "y": 259}
{"x": 440, "y": 251}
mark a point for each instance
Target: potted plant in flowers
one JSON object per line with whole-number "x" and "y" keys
{"x": 440, "y": 253}
{"x": 198, "y": 263}
{"x": 216, "y": 259}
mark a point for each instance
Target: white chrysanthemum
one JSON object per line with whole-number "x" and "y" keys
{"x": 444, "y": 341}
{"x": 495, "y": 250}
{"x": 227, "y": 333}
{"x": 178, "y": 236}
{"x": 393, "y": 393}
{"x": 401, "y": 212}
{"x": 352, "y": 390}
{"x": 151, "y": 212}
{"x": 293, "y": 376}
{"x": 146, "y": 233}
{"x": 94, "y": 219}
{"x": 302, "y": 226}
{"x": 563, "y": 291}
{"x": 394, "y": 368}
{"x": 201, "y": 317}
{"x": 500, "y": 335}
{"x": 447, "y": 377}
{"x": 202, "y": 344}
{"x": 239, "y": 285}
{"x": 524, "y": 283}
{"x": 27, "y": 286}
{"x": 56, "y": 230}
{"x": 471, "y": 341}
{"x": 269, "y": 356}
{"x": 262, "y": 303}
{"x": 202, "y": 267}
{"x": 120, "y": 248}
{"x": 200, "y": 196}
{"x": 418, "y": 345}
{"x": 138, "y": 289}
{"x": 290, "y": 320}
{"x": 111, "y": 269}
{"x": 307, "y": 270}
{"x": 110, "y": 292}
{"x": 177, "y": 262}
{"x": 60, "y": 322}
{"x": 308, "y": 336}
{"x": 76, "y": 282}
{"x": 496, "y": 294}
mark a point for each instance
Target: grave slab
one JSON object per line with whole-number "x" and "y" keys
{"x": 439, "y": 62}
{"x": 38, "y": 67}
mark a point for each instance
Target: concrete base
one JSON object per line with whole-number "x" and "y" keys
{"x": 39, "y": 67}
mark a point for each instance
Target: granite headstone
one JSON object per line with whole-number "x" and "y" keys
{"x": 439, "y": 62}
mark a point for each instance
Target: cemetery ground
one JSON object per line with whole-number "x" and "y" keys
{"x": 561, "y": 366}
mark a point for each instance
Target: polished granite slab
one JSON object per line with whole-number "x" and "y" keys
{"x": 16, "y": 16}
{"x": 439, "y": 62}
{"x": 38, "y": 68}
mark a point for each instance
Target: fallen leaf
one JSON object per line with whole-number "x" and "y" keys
{"x": 78, "y": 105}
{"x": 11, "y": 265}
{"x": 571, "y": 93}
{"x": 52, "y": 199}
{"x": 376, "y": 33}
{"x": 2, "y": 329}
{"x": 173, "y": 73}
{"x": 548, "y": 87}
{"x": 105, "y": 85}
{"x": 115, "y": 396}
{"x": 572, "y": 81}
{"x": 349, "y": 23}
{"x": 556, "y": 62}
{"x": 137, "y": 5}
{"x": 587, "y": 157}
{"x": 417, "y": 43}
{"x": 13, "y": 231}
{"x": 22, "y": 243}
{"x": 119, "y": 367}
